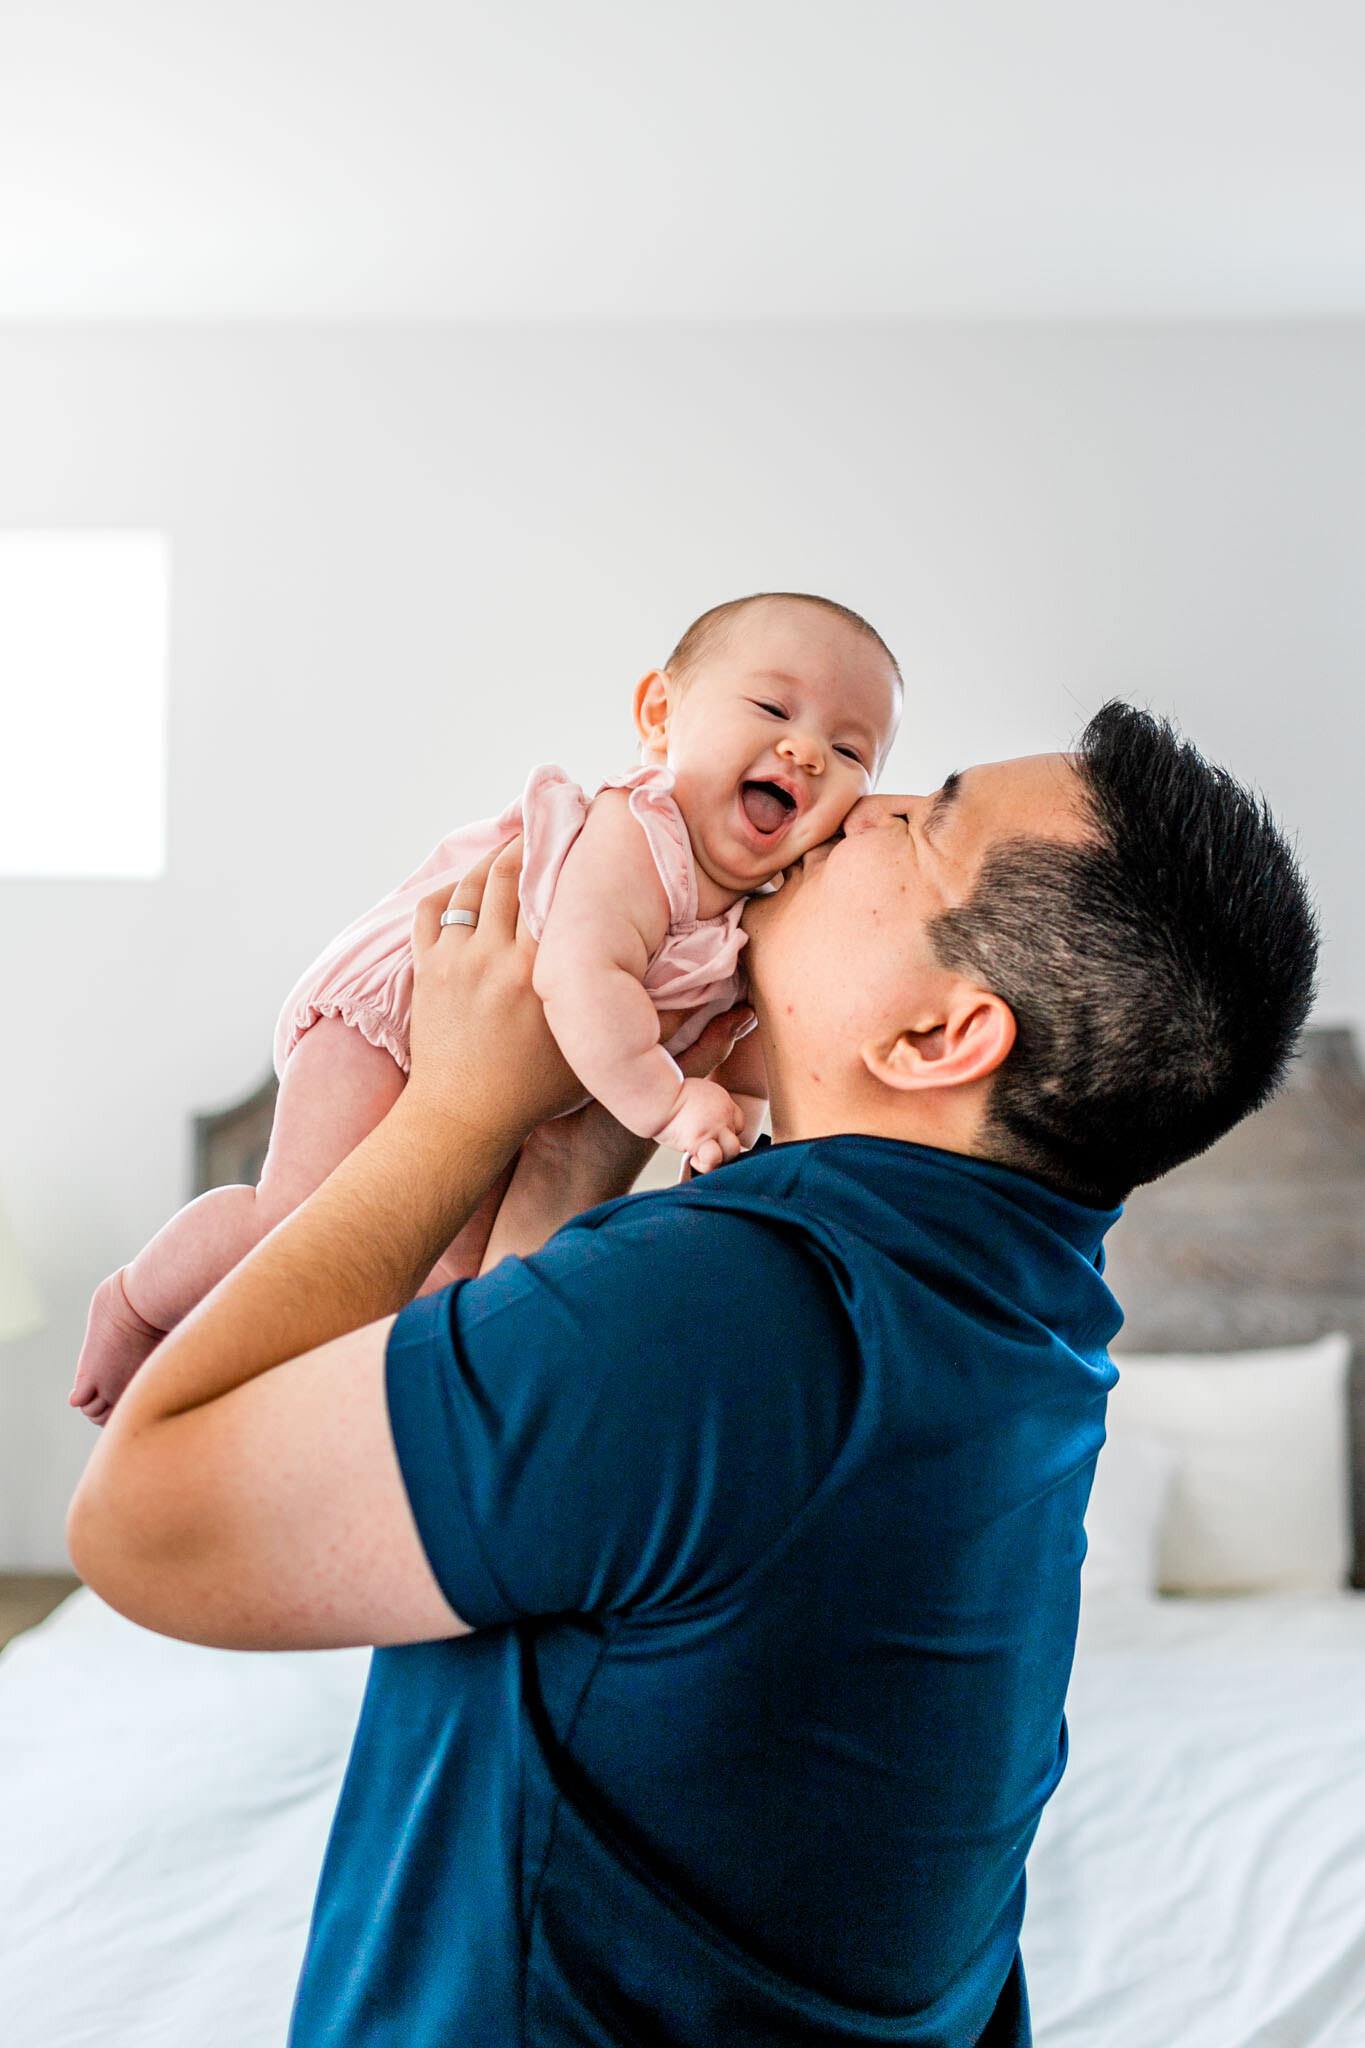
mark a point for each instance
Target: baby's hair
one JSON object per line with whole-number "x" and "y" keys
{"x": 708, "y": 632}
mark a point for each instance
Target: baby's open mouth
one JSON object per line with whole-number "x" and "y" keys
{"x": 767, "y": 805}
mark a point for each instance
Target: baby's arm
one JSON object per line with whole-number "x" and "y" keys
{"x": 608, "y": 918}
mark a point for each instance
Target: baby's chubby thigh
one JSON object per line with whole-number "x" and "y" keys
{"x": 335, "y": 1088}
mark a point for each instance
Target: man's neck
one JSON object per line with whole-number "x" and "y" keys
{"x": 912, "y": 1120}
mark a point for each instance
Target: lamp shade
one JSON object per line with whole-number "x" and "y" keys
{"x": 20, "y": 1308}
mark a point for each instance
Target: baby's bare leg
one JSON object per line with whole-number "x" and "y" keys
{"x": 336, "y": 1087}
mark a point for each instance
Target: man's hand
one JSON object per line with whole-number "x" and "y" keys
{"x": 482, "y": 1054}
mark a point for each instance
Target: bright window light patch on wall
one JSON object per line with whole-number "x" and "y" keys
{"x": 84, "y": 632}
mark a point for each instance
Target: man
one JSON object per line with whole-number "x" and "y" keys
{"x": 727, "y": 1549}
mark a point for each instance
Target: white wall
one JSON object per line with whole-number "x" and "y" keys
{"x": 409, "y": 563}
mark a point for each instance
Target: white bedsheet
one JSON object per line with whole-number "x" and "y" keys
{"x": 1198, "y": 1881}
{"x": 163, "y": 1812}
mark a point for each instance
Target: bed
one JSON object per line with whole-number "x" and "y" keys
{"x": 1198, "y": 1881}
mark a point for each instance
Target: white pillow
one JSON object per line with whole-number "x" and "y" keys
{"x": 1124, "y": 1519}
{"x": 1260, "y": 1494}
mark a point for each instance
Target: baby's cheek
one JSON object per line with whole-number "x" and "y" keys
{"x": 827, "y": 817}
{"x": 812, "y": 831}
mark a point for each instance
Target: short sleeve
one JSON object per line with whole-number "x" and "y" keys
{"x": 628, "y": 1421}
{"x": 649, "y": 791}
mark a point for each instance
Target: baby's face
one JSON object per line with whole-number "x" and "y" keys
{"x": 775, "y": 738}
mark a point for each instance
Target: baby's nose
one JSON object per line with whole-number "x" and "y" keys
{"x": 803, "y": 748}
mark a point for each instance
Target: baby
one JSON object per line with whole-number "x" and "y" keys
{"x": 771, "y": 718}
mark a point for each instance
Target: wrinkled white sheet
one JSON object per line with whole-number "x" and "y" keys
{"x": 163, "y": 1812}
{"x": 1198, "y": 1880}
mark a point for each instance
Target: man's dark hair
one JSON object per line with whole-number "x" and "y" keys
{"x": 1159, "y": 973}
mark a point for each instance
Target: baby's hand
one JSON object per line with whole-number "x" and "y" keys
{"x": 705, "y": 1125}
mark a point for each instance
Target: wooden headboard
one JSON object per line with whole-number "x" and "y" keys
{"x": 1259, "y": 1241}
{"x": 230, "y": 1144}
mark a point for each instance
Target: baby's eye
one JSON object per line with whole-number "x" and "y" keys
{"x": 851, "y": 754}
{"x": 777, "y": 710}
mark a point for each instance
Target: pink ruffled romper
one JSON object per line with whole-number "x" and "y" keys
{"x": 364, "y": 976}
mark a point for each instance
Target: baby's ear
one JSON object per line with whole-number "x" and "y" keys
{"x": 651, "y": 711}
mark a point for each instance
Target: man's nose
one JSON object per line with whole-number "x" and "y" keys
{"x": 871, "y": 811}
{"x": 802, "y": 749}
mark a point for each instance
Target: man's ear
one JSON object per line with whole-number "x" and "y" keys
{"x": 967, "y": 1041}
{"x": 652, "y": 707}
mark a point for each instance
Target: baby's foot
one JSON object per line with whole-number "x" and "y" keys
{"x": 117, "y": 1340}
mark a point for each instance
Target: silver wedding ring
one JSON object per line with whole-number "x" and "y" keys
{"x": 459, "y": 917}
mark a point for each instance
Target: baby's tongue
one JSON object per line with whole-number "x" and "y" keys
{"x": 763, "y": 807}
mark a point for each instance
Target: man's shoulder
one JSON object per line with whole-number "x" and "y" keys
{"x": 674, "y": 1231}
{"x": 669, "y": 1315}
{"x": 799, "y": 1201}
{"x": 759, "y": 1209}
{"x": 720, "y": 1265}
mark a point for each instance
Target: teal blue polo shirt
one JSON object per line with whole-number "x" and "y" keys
{"x": 764, "y": 1499}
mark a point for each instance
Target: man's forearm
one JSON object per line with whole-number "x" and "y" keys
{"x": 357, "y": 1249}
